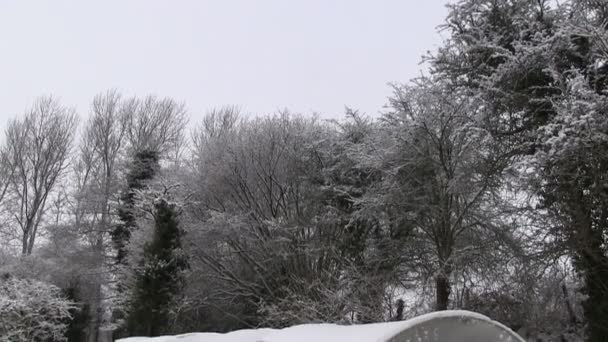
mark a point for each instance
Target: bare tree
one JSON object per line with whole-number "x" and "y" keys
{"x": 102, "y": 144}
{"x": 103, "y": 141}
{"x": 7, "y": 171}
{"x": 155, "y": 124}
{"x": 216, "y": 124}
{"x": 37, "y": 149}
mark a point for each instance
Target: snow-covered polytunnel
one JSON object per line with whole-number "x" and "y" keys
{"x": 444, "y": 326}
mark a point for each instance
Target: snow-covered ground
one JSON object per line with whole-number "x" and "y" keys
{"x": 376, "y": 332}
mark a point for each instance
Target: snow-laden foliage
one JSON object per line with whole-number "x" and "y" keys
{"x": 32, "y": 311}
{"x": 580, "y": 122}
{"x": 441, "y": 177}
{"x": 158, "y": 275}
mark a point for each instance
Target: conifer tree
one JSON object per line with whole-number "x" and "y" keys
{"x": 143, "y": 168}
{"x": 159, "y": 277}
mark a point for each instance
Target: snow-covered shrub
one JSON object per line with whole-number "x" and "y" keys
{"x": 32, "y": 311}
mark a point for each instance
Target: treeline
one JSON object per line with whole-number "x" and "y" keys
{"x": 481, "y": 186}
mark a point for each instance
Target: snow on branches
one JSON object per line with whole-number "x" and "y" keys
{"x": 32, "y": 311}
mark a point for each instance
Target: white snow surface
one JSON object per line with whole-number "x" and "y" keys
{"x": 374, "y": 332}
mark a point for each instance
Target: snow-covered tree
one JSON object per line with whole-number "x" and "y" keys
{"x": 158, "y": 276}
{"x": 540, "y": 67}
{"x": 442, "y": 172}
{"x": 269, "y": 225}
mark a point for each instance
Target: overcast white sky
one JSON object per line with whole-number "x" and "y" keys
{"x": 263, "y": 55}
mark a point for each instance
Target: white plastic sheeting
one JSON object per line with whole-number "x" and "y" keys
{"x": 443, "y": 326}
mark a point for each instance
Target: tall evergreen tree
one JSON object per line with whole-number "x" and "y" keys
{"x": 143, "y": 168}
{"x": 159, "y": 277}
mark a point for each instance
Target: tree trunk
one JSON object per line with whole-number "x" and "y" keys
{"x": 400, "y": 308}
{"x": 24, "y": 244}
{"x": 442, "y": 287}
{"x": 595, "y": 266}
{"x": 95, "y": 307}
{"x": 94, "y": 313}
{"x": 571, "y": 315}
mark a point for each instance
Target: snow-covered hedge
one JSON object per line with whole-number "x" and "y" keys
{"x": 32, "y": 311}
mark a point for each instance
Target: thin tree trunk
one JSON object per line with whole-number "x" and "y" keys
{"x": 96, "y": 305}
{"x": 596, "y": 288}
{"x": 24, "y": 243}
{"x": 442, "y": 288}
{"x": 95, "y": 310}
{"x": 571, "y": 315}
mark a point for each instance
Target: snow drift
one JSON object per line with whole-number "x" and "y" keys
{"x": 450, "y": 326}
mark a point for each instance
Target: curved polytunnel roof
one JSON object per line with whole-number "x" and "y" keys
{"x": 443, "y": 326}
